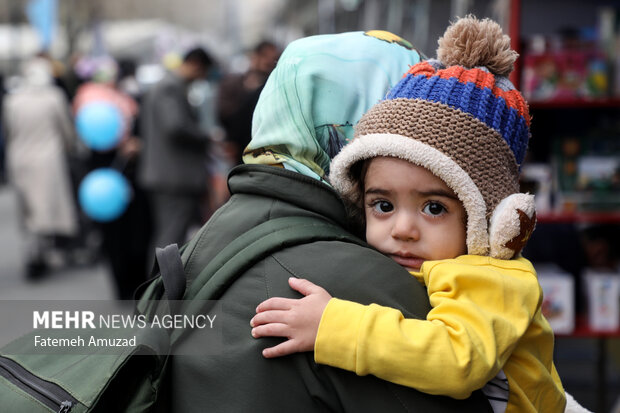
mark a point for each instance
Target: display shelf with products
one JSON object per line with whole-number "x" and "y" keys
{"x": 577, "y": 62}
{"x": 573, "y": 165}
{"x": 580, "y": 217}
{"x": 571, "y": 79}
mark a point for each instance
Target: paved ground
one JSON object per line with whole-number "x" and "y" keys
{"x": 84, "y": 282}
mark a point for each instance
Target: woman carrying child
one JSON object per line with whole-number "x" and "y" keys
{"x": 433, "y": 172}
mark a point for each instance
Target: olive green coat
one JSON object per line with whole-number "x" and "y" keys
{"x": 237, "y": 378}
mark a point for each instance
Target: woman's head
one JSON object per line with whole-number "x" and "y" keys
{"x": 318, "y": 91}
{"x": 38, "y": 72}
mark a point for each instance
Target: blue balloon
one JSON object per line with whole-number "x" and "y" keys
{"x": 99, "y": 125}
{"x": 104, "y": 194}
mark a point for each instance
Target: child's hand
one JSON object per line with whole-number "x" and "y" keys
{"x": 296, "y": 319}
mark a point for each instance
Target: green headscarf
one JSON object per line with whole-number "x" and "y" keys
{"x": 318, "y": 91}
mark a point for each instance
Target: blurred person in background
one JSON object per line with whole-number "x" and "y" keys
{"x": 172, "y": 165}
{"x": 238, "y": 95}
{"x": 203, "y": 97}
{"x": 102, "y": 87}
{"x": 39, "y": 134}
{"x": 127, "y": 81}
{"x": 125, "y": 239}
{"x": 58, "y": 73}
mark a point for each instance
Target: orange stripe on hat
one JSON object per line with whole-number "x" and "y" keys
{"x": 421, "y": 69}
{"x": 514, "y": 100}
{"x": 481, "y": 78}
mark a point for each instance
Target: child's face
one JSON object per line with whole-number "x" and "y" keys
{"x": 411, "y": 215}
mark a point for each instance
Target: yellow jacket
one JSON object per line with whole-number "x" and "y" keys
{"x": 486, "y": 316}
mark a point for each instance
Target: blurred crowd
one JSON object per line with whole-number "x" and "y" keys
{"x": 171, "y": 144}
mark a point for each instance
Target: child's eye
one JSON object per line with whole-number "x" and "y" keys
{"x": 434, "y": 209}
{"x": 383, "y": 207}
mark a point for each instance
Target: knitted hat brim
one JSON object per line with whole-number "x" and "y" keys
{"x": 478, "y": 149}
{"x": 418, "y": 153}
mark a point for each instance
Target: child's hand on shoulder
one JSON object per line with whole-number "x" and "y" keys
{"x": 296, "y": 319}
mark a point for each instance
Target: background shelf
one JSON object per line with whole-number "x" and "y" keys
{"x": 575, "y": 103}
{"x": 580, "y": 217}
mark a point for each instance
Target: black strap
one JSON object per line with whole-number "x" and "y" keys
{"x": 171, "y": 270}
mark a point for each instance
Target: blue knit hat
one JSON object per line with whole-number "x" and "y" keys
{"x": 490, "y": 98}
{"x": 462, "y": 119}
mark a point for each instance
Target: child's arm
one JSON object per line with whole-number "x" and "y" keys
{"x": 296, "y": 319}
{"x": 479, "y": 314}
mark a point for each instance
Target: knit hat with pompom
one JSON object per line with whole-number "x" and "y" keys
{"x": 462, "y": 119}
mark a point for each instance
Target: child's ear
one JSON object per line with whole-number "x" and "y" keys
{"x": 511, "y": 225}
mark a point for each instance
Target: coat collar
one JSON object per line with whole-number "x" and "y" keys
{"x": 290, "y": 187}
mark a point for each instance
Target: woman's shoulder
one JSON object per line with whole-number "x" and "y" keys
{"x": 362, "y": 274}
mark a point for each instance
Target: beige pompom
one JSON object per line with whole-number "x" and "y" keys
{"x": 470, "y": 42}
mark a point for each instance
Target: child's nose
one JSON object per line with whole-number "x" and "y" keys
{"x": 406, "y": 227}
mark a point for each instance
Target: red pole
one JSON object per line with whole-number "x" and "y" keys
{"x": 514, "y": 32}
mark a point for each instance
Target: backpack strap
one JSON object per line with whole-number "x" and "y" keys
{"x": 253, "y": 246}
{"x": 171, "y": 269}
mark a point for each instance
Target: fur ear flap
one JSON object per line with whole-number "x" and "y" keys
{"x": 511, "y": 225}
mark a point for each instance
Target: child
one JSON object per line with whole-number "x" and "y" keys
{"x": 434, "y": 172}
